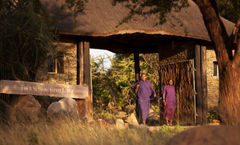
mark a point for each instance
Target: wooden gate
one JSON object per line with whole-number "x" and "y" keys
{"x": 182, "y": 75}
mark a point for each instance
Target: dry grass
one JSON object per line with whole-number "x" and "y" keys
{"x": 78, "y": 133}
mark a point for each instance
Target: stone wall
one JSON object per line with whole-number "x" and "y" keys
{"x": 212, "y": 81}
{"x": 70, "y": 67}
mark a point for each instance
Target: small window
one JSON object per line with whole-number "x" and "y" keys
{"x": 51, "y": 64}
{"x": 215, "y": 68}
{"x": 60, "y": 62}
{"x": 56, "y": 63}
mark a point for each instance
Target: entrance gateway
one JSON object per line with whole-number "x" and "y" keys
{"x": 96, "y": 28}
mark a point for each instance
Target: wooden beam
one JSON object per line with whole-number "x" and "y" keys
{"x": 87, "y": 76}
{"x": 204, "y": 84}
{"x": 86, "y": 63}
{"x": 80, "y": 66}
{"x": 201, "y": 84}
{"x": 137, "y": 78}
{"x": 137, "y": 66}
{"x": 83, "y": 77}
{"x": 81, "y": 62}
{"x": 199, "y": 102}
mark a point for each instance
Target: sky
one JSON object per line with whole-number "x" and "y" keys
{"x": 101, "y": 52}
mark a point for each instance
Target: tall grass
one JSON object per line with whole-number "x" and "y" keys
{"x": 78, "y": 133}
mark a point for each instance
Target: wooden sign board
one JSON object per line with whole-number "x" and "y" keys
{"x": 41, "y": 89}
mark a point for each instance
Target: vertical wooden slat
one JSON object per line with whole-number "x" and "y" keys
{"x": 78, "y": 76}
{"x": 78, "y": 62}
{"x": 204, "y": 84}
{"x": 55, "y": 64}
{"x": 194, "y": 91}
{"x": 199, "y": 102}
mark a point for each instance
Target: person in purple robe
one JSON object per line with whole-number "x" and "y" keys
{"x": 169, "y": 101}
{"x": 144, "y": 91}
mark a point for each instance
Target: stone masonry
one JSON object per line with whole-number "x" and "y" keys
{"x": 70, "y": 67}
{"x": 212, "y": 81}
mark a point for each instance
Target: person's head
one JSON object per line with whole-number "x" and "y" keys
{"x": 143, "y": 76}
{"x": 170, "y": 82}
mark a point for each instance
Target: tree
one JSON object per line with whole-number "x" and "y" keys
{"x": 25, "y": 37}
{"x": 229, "y": 9}
{"x": 229, "y": 62}
{"x": 113, "y": 85}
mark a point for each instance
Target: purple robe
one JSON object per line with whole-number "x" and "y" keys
{"x": 171, "y": 100}
{"x": 144, "y": 94}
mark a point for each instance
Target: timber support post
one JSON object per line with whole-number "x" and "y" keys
{"x": 136, "y": 65}
{"x": 83, "y": 76}
{"x": 137, "y": 78}
{"x": 204, "y": 83}
{"x": 201, "y": 84}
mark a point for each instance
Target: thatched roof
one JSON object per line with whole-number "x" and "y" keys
{"x": 99, "y": 24}
{"x": 101, "y": 19}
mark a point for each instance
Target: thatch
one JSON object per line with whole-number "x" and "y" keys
{"x": 101, "y": 19}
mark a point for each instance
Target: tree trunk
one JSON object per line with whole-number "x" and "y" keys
{"x": 229, "y": 63}
{"x": 229, "y": 94}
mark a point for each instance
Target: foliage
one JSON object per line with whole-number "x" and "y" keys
{"x": 113, "y": 88}
{"x": 76, "y": 6}
{"x": 100, "y": 82}
{"x": 229, "y": 9}
{"x": 25, "y": 37}
{"x": 212, "y": 115}
{"x": 113, "y": 85}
